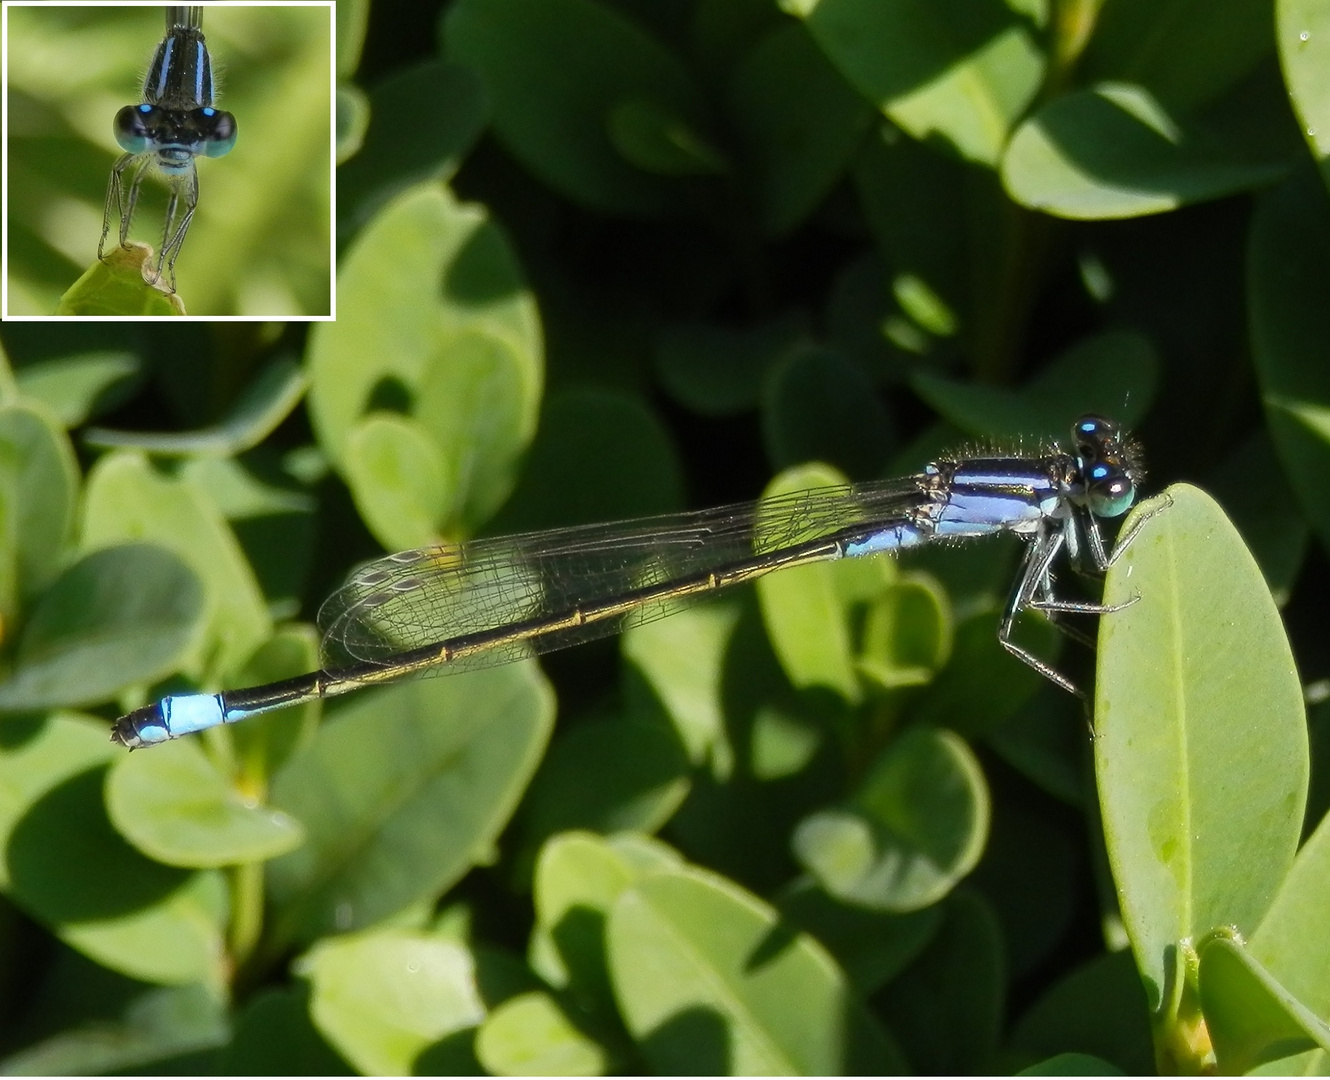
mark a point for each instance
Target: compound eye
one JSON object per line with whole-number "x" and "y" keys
{"x": 131, "y": 128}
{"x": 219, "y": 131}
{"x": 1109, "y": 491}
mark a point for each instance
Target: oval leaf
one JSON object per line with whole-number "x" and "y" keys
{"x": 430, "y": 291}
{"x": 116, "y": 286}
{"x": 710, "y": 981}
{"x": 1116, "y": 152}
{"x": 1290, "y": 942}
{"x": 1303, "y": 38}
{"x": 39, "y": 480}
{"x": 419, "y": 777}
{"x": 98, "y": 894}
{"x": 578, "y": 878}
{"x": 266, "y": 402}
{"x": 1251, "y": 1018}
{"x": 1201, "y": 741}
{"x": 121, "y": 615}
{"x": 553, "y": 115}
{"x": 398, "y": 479}
{"x": 383, "y": 998}
{"x": 802, "y": 609}
{"x": 1288, "y": 276}
{"x": 915, "y": 827}
{"x": 176, "y": 807}
{"x": 962, "y": 72}
{"x": 128, "y": 499}
{"x": 530, "y": 1035}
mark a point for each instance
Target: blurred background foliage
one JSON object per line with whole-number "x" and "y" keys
{"x": 258, "y": 245}
{"x": 605, "y": 258}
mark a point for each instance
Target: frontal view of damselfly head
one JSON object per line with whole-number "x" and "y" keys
{"x": 175, "y": 123}
{"x": 445, "y": 609}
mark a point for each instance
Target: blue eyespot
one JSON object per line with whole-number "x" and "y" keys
{"x": 145, "y": 109}
{"x": 209, "y": 112}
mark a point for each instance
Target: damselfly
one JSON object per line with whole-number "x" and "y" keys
{"x": 174, "y": 124}
{"x": 453, "y": 608}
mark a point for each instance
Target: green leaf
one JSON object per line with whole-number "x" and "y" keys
{"x": 1100, "y": 1009}
{"x": 578, "y": 878}
{"x": 8, "y": 384}
{"x": 799, "y": 122}
{"x": 398, "y": 477}
{"x": 613, "y": 436}
{"x": 1201, "y": 743}
{"x": 924, "y": 211}
{"x": 121, "y": 615}
{"x": 1046, "y": 741}
{"x": 274, "y": 522}
{"x": 530, "y": 1035}
{"x": 709, "y": 980}
{"x": 421, "y": 777}
{"x": 1289, "y": 943}
{"x": 659, "y": 140}
{"x": 352, "y": 24}
{"x": 802, "y": 610}
{"x": 908, "y": 633}
{"x": 1112, "y": 374}
{"x": 67, "y": 867}
{"x": 127, "y": 499}
{"x": 609, "y": 775}
{"x": 682, "y": 662}
{"x": 956, "y": 984}
{"x": 1072, "y": 1065}
{"x": 176, "y": 807}
{"x": 1252, "y": 1020}
{"x": 76, "y": 386}
{"x": 382, "y": 998}
{"x": 1116, "y": 151}
{"x": 915, "y": 826}
{"x": 478, "y": 401}
{"x": 983, "y": 685}
{"x": 1288, "y": 275}
{"x": 39, "y": 480}
{"x": 1253, "y": 488}
{"x": 115, "y": 285}
{"x": 555, "y": 116}
{"x": 265, "y": 404}
{"x": 264, "y": 743}
{"x": 818, "y": 406}
{"x": 434, "y": 322}
{"x": 872, "y": 946}
{"x": 353, "y": 115}
{"x": 400, "y": 152}
{"x": 1302, "y": 34}
{"x": 274, "y": 1036}
{"x": 960, "y": 72}
{"x": 1187, "y": 52}
{"x": 157, "y": 1029}
{"x": 719, "y": 370}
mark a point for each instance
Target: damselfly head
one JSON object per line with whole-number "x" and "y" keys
{"x": 1111, "y": 463}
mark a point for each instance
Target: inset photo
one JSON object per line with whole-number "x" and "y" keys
{"x": 168, "y": 161}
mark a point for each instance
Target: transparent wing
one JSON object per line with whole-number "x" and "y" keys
{"x": 440, "y": 594}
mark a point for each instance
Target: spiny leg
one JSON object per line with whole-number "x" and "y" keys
{"x": 173, "y": 241}
{"x": 1034, "y": 571}
{"x": 122, "y": 198}
{"x": 129, "y": 199}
